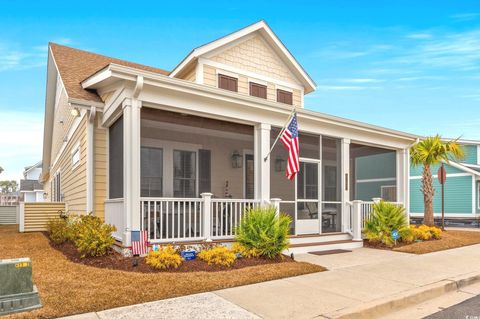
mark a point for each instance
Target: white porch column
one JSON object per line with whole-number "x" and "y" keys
{"x": 207, "y": 216}
{"x": 345, "y": 182}
{"x": 403, "y": 179}
{"x": 131, "y": 167}
{"x": 262, "y": 167}
{"x": 357, "y": 220}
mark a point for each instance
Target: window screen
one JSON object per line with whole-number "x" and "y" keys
{"x": 204, "y": 171}
{"x": 184, "y": 174}
{"x": 115, "y": 160}
{"x": 151, "y": 172}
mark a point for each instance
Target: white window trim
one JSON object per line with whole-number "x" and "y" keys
{"x": 256, "y": 81}
{"x": 283, "y": 88}
{"x": 478, "y": 196}
{"x": 226, "y": 73}
{"x": 76, "y": 149}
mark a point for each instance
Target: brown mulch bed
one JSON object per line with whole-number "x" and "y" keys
{"x": 115, "y": 261}
{"x": 68, "y": 288}
{"x": 450, "y": 239}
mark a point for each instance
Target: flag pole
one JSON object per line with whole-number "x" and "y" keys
{"x": 280, "y": 134}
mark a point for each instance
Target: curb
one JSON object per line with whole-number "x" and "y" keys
{"x": 384, "y": 306}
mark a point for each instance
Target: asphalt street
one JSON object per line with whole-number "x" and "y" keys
{"x": 468, "y": 309}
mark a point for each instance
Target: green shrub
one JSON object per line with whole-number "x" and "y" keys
{"x": 58, "y": 230}
{"x": 165, "y": 258}
{"x": 265, "y": 232}
{"x": 385, "y": 218}
{"x": 92, "y": 237}
{"x": 218, "y": 255}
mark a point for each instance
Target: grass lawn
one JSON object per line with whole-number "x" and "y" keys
{"x": 68, "y": 288}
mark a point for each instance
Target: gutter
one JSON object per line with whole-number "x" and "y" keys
{"x": 131, "y": 74}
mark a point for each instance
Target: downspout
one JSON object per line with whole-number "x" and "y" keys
{"x": 91, "y": 159}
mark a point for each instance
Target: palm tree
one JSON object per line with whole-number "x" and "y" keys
{"x": 432, "y": 151}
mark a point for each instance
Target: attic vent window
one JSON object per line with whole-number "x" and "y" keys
{"x": 258, "y": 90}
{"x": 227, "y": 83}
{"x": 284, "y": 97}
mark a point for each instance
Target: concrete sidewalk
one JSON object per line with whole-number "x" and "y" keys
{"x": 366, "y": 279}
{"x": 362, "y": 284}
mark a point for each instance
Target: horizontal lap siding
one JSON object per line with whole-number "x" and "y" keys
{"x": 458, "y": 196}
{"x": 74, "y": 182}
{"x": 37, "y": 215}
{"x": 418, "y": 170}
{"x": 470, "y": 154}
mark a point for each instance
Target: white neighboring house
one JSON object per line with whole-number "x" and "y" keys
{"x": 30, "y": 188}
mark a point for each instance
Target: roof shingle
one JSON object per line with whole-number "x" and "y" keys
{"x": 76, "y": 65}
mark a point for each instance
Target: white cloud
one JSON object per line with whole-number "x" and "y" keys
{"x": 419, "y": 35}
{"x": 346, "y": 88}
{"x": 420, "y": 78}
{"x": 465, "y": 16}
{"x": 361, "y": 80}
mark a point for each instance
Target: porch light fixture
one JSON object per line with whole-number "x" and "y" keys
{"x": 236, "y": 159}
{"x": 280, "y": 164}
{"x": 75, "y": 112}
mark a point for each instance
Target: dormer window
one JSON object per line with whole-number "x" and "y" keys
{"x": 258, "y": 90}
{"x": 227, "y": 82}
{"x": 284, "y": 97}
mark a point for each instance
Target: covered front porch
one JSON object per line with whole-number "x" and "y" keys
{"x": 196, "y": 176}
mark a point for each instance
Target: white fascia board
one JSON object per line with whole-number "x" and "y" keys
{"x": 99, "y": 76}
{"x": 463, "y": 168}
{"x": 85, "y": 104}
{"x": 266, "y": 31}
{"x": 179, "y": 85}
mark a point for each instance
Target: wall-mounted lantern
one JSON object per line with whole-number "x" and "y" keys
{"x": 236, "y": 159}
{"x": 280, "y": 164}
{"x": 75, "y": 112}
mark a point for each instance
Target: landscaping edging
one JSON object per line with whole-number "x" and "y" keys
{"x": 379, "y": 308}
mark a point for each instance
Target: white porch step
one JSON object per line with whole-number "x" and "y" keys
{"x": 306, "y": 239}
{"x": 322, "y": 246}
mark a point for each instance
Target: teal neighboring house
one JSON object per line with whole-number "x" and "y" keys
{"x": 461, "y": 189}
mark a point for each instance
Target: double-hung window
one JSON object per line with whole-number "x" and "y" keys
{"x": 184, "y": 174}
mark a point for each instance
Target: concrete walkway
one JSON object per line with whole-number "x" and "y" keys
{"x": 357, "y": 282}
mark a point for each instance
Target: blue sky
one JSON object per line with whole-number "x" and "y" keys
{"x": 408, "y": 65}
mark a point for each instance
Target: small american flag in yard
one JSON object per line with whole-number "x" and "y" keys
{"x": 290, "y": 141}
{"x": 139, "y": 242}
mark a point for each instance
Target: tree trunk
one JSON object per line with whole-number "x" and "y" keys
{"x": 428, "y": 193}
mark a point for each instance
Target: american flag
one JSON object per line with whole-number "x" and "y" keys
{"x": 139, "y": 242}
{"x": 290, "y": 141}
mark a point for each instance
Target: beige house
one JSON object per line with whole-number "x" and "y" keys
{"x": 182, "y": 153}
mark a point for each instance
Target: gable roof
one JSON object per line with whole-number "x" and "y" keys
{"x": 262, "y": 28}
{"x": 76, "y": 65}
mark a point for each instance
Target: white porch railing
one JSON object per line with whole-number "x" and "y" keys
{"x": 114, "y": 216}
{"x": 192, "y": 219}
{"x": 226, "y": 215}
{"x": 358, "y": 213}
{"x": 172, "y": 219}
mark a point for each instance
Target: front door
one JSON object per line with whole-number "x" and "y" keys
{"x": 308, "y": 197}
